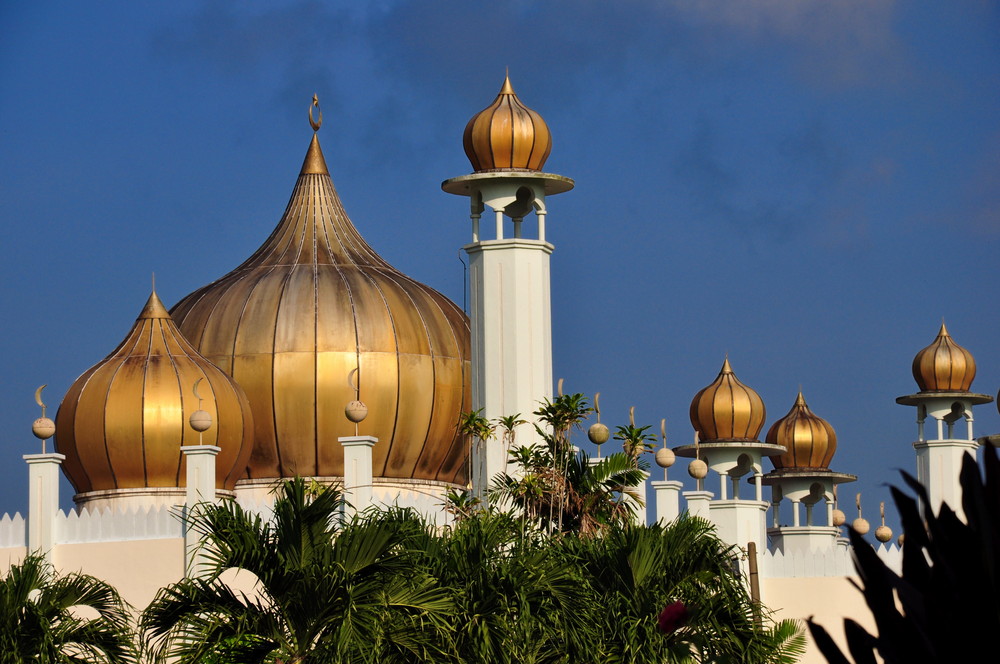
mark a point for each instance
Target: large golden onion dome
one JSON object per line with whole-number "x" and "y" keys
{"x": 944, "y": 366}
{"x": 809, "y": 439}
{"x": 310, "y": 305}
{"x": 123, "y": 422}
{"x": 727, "y": 410}
{"x": 507, "y": 135}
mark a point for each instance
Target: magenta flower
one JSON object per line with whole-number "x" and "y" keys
{"x": 672, "y": 617}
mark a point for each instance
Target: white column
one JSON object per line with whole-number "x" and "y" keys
{"x": 200, "y": 462}
{"x": 357, "y": 472}
{"x": 699, "y": 503}
{"x": 640, "y": 490}
{"x": 511, "y": 317}
{"x": 667, "y": 499}
{"x": 43, "y": 502}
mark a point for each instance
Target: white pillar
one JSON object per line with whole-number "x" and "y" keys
{"x": 667, "y": 499}
{"x": 699, "y": 503}
{"x": 357, "y": 472}
{"x": 43, "y": 502}
{"x": 200, "y": 462}
{"x": 640, "y": 490}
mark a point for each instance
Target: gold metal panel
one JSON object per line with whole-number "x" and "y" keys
{"x": 455, "y": 467}
{"x": 944, "y": 366}
{"x": 295, "y": 412}
{"x": 441, "y": 335}
{"x": 235, "y": 431}
{"x": 295, "y": 328}
{"x": 89, "y": 427}
{"x": 254, "y": 326}
{"x": 379, "y": 382}
{"x": 65, "y": 440}
{"x": 123, "y": 424}
{"x": 407, "y": 319}
{"x": 193, "y": 313}
{"x": 335, "y": 326}
{"x": 371, "y": 313}
{"x": 253, "y": 373}
{"x": 416, "y": 380}
{"x": 332, "y": 395}
{"x": 446, "y": 401}
{"x": 163, "y": 422}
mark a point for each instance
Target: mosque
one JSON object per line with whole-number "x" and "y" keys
{"x": 316, "y": 358}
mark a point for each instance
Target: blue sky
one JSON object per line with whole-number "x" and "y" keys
{"x": 808, "y": 186}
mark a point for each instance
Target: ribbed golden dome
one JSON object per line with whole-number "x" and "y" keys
{"x": 313, "y": 303}
{"x": 507, "y": 135}
{"x": 727, "y": 410}
{"x": 123, "y": 422}
{"x": 944, "y": 366}
{"x": 809, "y": 439}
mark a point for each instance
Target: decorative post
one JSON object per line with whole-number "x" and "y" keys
{"x": 357, "y": 457}
{"x": 667, "y": 491}
{"x": 200, "y": 482}
{"x": 43, "y": 487}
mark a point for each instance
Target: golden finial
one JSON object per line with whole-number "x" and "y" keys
{"x": 200, "y": 420}
{"x": 356, "y": 410}
{"x": 316, "y": 124}
{"x": 43, "y": 428}
{"x": 598, "y": 433}
{"x": 154, "y": 281}
{"x": 507, "y": 88}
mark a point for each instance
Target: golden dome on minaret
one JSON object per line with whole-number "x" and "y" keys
{"x": 944, "y": 366}
{"x": 123, "y": 422}
{"x": 727, "y": 410}
{"x": 809, "y": 439}
{"x": 313, "y": 303}
{"x": 507, "y": 135}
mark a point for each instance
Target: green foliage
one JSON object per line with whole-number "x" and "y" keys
{"x": 43, "y": 618}
{"x": 946, "y": 605}
{"x": 323, "y": 593}
{"x": 635, "y": 440}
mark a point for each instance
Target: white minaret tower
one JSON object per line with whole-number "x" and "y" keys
{"x": 511, "y": 312}
{"x": 944, "y": 372}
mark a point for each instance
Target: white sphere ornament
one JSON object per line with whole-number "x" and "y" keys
{"x": 356, "y": 411}
{"x": 839, "y": 518}
{"x": 43, "y": 428}
{"x": 698, "y": 469}
{"x": 200, "y": 420}
{"x": 665, "y": 457}
{"x": 598, "y": 433}
{"x": 861, "y": 526}
{"x": 883, "y": 534}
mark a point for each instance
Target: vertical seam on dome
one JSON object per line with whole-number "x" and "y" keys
{"x": 142, "y": 407}
{"x": 395, "y": 339}
{"x": 180, "y": 388}
{"x": 430, "y": 346}
{"x": 489, "y": 133}
{"x": 749, "y": 424}
{"x": 354, "y": 313}
{"x": 315, "y": 351}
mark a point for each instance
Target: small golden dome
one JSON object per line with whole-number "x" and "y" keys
{"x": 507, "y": 135}
{"x": 313, "y": 303}
{"x": 727, "y": 410}
{"x": 809, "y": 439}
{"x": 944, "y": 366}
{"x": 123, "y": 422}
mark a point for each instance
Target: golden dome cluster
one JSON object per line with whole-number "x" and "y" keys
{"x": 944, "y": 366}
{"x": 810, "y": 441}
{"x": 727, "y": 410}
{"x": 507, "y": 135}
{"x": 123, "y": 422}
{"x": 313, "y": 303}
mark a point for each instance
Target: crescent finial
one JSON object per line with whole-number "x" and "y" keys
{"x": 631, "y": 416}
{"x": 663, "y": 431}
{"x": 194, "y": 389}
{"x": 316, "y": 124}
{"x": 560, "y": 388}
{"x": 38, "y": 395}
{"x": 857, "y": 501}
{"x": 350, "y": 381}
{"x": 881, "y": 510}
{"x": 597, "y": 406}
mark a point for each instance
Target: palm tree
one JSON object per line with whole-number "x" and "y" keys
{"x": 324, "y": 591}
{"x": 42, "y": 617}
{"x": 516, "y": 602}
{"x": 634, "y": 571}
